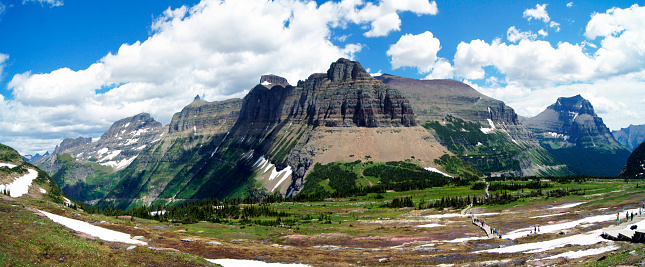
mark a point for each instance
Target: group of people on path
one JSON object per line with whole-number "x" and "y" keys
{"x": 483, "y": 226}
{"x": 630, "y": 216}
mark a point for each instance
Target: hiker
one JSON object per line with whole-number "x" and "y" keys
{"x": 631, "y": 218}
{"x": 618, "y": 217}
{"x": 538, "y": 228}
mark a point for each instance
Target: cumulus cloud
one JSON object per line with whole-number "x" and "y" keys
{"x": 542, "y": 32}
{"x": 51, "y": 3}
{"x": 514, "y": 35}
{"x": 420, "y": 52}
{"x": 539, "y": 64}
{"x": 383, "y": 17}
{"x": 218, "y": 49}
{"x": 538, "y": 13}
{"x": 570, "y": 4}
{"x": 535, "y": 73}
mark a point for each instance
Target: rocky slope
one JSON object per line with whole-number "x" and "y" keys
{"x": 630, "y": 137}
{"x": 18, "y": 178}
{"x": 635, "y": 166}
{"x": 481, "y": 130}
{"x": 572, "y": 131}
{"x": 182, "y": 158}
{"x": 85, "y": 169}
{"x": 280, "y": 131}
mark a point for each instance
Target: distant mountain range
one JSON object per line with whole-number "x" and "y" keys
{"x": 630, "y": 137}
{"x": 268, "y": 142}
{"x": 571, "y": 131}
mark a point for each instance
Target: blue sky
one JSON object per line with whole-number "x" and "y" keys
{"x": 71, "y": 68}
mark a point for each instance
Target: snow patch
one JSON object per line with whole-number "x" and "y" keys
{"x": 95, "y": 231}
{"x": 118, "y": 165}
{"x": 488, "y": 130}
{"x": 584, "y": 253}
{"x": 102, "y": 151}
{"x": 557, "y": 135}
{"x": 140, "y": 131}
{"x": 21, "y": 185}
{"x": 43, "y": 191}
{"x": 110, "y": 155}
{"x": 568, "y": 205}
{"x": 586, "y": 239}
{"x": 131, "y": 141}
{"x": 11, "y": 166}
{"x": 126, "y": 125}
{"x": 252, "y": 263}
{"x": 265, "y": 83}
{"x": 437, "y": 171}
{"x": 286, "y": 173}
{"x": 140, "y": 148}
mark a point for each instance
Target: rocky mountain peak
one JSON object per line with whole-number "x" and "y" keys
{"x": 345, "y": 69}
{"x": 69, "y": 143}
{"x": 571, "y": 107}
{"x": 130, "y": 124}
{"x": 271, "y": 80}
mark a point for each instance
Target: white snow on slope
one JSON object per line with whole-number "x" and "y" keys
{"x": 552, "y": 228}
{"x": 286, "y": 173}
{"x": 568, "y": 205}
{"x": 585, "y": 239}
{"x": 118, "y": 165}
{"x": 95, "y": 231}
{"x": 251, "y": 263}
{"x": 110, "y": 155}
{"x": 11, "y": 166}
{"x": 488, "y": 130}
{"x": 584, "y": 253}
{"x": 102, "y": 151}
{"x": 437, "y": 171}
{"x": 21, "y": 185}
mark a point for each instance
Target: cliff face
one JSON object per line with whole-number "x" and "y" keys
{"x": 482, "y": 130}
{"x": 203, "y": 118}
{"x": 630, "y": 137}
{"x": 345, "y": 96}
{"x": 572, "y": 131}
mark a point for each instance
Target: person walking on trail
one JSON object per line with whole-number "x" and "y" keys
{"x": 618, "y": 217}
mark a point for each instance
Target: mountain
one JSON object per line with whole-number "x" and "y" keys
{"x": 635, "y": 166}
{"x": 13, "y": 167}
{"x": 481, "y": 130}
{"x": 85, "y": 169}
{"x": 630, "y": 137}
{"x": 182, "y": 157}
{"x": 267, "y": 142}
{"x": 572, "y": 132}
{"x": 35, "y": 157}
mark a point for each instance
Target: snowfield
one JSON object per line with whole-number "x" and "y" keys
{"x": 437, "y": 171}
{"x": 21, "y": 185}
{"x": 251, "y": 263}
{"x": 95, "y": 231}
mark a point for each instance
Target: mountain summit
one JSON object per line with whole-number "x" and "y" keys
{"x": 571, "y": 130}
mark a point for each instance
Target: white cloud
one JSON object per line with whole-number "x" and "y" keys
{"x": 218, "y": 49}
{"x": 51, "y": 3}
{"x": 419, "y": 51}
{"x": 383, "y": 18}
{"x": 542, "y": 32}
{"x": 514, "y": 35}
{"x": 570, "y": 4}
{"x": 539, "y": 64}
{"x": 538, "y": 13}
{"x": 622, "y": 49}
{"x": 3, "y": 59}
{"x": 554, "y": 25}
{"x": 442, "y": 69}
